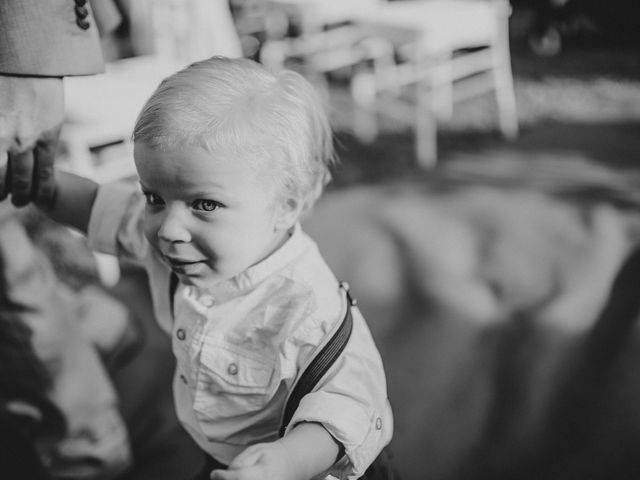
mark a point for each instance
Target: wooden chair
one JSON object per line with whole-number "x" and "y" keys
{"x": 446, "y": 51}
{"x": 319, "y": 38}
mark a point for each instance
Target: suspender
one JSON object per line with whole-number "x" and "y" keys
{"x": 320, "y": 364}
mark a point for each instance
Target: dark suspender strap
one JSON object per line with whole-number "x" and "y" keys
{"x": 321, "y": 363}
{"x": 173, "y": 285}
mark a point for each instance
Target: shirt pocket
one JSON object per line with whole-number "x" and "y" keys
{"x": 231, "y": 382}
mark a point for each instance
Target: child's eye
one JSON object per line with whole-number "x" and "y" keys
{"x": 206, "y": 205}
{"x": 152, "y": 199}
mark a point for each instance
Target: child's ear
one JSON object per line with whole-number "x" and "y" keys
{"x": 289, "y": 213}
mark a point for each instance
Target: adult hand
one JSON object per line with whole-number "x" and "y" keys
{"x": 31, "y": 114}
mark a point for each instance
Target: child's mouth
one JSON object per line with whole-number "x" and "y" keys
{"x": 185, "y": 267}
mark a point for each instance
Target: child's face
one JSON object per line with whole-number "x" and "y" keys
{"x": 209, "y": 217}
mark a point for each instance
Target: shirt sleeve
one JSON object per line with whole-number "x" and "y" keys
{"x": 115, "y": 225}
{"x": 351, "y": 403}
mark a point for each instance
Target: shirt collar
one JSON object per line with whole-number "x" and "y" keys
{"x": 293, "y": 247}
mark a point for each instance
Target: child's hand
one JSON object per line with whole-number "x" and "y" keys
{"x": 264, "y": 461}
{"x": 304, "y": 452}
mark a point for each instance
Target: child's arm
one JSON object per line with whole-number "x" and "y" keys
{"x": 307, "y": 450}
{"x": 73, "y": 200}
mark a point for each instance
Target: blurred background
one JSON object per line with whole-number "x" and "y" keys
{"x": 485, "y": 212}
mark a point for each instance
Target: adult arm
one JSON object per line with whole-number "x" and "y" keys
{"x": 39, "y": 43}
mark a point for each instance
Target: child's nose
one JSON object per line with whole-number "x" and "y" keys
{"x": 172, "y": 228}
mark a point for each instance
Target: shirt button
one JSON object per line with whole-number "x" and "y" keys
{"x": 180, "y": 333}
{"x": 207, "y": 301}
{"x": 184, "y": 379}
{"x": 82, "y": 23}
{"x": 232, "y": 369}
{"x": 81, "y": 12}
{"x": 378, "y": 423}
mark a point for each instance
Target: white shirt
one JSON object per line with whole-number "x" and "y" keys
{"x": 241, "y": 345}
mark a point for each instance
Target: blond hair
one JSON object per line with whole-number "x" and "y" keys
{"x": 237, "y": 106}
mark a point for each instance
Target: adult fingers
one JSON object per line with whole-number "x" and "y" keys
{"x": 29, "y": 106}
{"x": 4, "y": 175}
{"x": 21, "y": 177}
{"x": 44, "y": 153}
